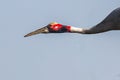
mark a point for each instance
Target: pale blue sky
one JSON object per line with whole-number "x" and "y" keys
{"x": 57, "y": 56}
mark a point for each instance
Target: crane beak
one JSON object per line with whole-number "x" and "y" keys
{"x": 38, "y": 31}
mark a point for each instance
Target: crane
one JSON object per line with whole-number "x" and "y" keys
{"x": 111, "y": 22}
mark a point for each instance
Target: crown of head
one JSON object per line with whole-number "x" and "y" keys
{"x": 53, "y": 23}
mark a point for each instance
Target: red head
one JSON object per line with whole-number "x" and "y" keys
{"x": 58, "y": 28}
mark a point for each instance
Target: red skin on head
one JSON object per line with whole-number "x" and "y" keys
{"x": 57, "y": 27}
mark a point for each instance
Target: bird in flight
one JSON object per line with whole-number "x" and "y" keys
{"x": 111, "y": 22}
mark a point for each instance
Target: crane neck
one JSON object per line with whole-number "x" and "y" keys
{"x": 78, "y": 30}
{"x": 92, "y": 30}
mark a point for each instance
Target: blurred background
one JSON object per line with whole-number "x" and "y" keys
{"x": 57, "y": 56}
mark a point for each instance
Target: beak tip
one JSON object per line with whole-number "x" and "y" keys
{"x": 26, "y": 35}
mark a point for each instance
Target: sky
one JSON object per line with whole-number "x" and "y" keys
{"x": 57, "y": 56}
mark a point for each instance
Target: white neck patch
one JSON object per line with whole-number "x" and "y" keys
{"x": 76, "y": 30}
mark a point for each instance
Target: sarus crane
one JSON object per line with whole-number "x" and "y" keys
{"x": 111, "y": 22}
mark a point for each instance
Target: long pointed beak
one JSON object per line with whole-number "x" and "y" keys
{"x": 38, "y": 31}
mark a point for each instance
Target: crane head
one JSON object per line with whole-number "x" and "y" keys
{"x": 53, "y": 27}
